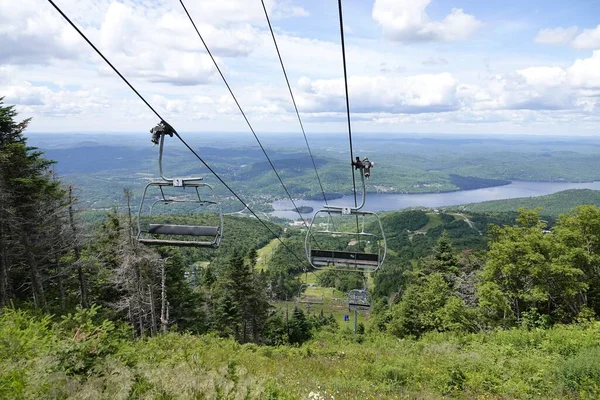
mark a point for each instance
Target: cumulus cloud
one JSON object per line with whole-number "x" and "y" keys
{"x": 413, "y": 94}
{"x": 558, "y": 35}
{"x": 534, "y": 89}
{"x": 585, "y": 73}
{"x": 58, "y": 103}
{"x": 520, "y": 91}
{"x": 538, "y": 88}
{"x": 407, "y": 21}
{"x": 30, "y": 34}
{"x": 588, "y": 39}
{"x": 151, "y": 40}
{"x": 543, "y": 76}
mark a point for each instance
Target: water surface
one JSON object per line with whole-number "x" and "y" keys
{"x": 388, "y": 202}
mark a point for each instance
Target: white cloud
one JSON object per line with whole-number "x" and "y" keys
{"x": 538, "y": 88}
{"x": 412, "y": 95}
{"x": 52, "y": 75}
{"x": 407, "y": 21}
{"x": 588, "y": 39}
{"x": 30, "y": 34}
{"x": 57, "y": 103}
{"x": 556, "y": 35}
{"x": 151, "y": 40}
{"x": 435, "y": 61}
{"x": 528, "y": 89}
{"x": 543, "y": 76}
{"x": 585, "y": 73}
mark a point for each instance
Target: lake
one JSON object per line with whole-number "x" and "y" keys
{"x": 388, "y": 202}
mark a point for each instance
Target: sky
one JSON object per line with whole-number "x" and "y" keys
{"x": 414, "y": 66}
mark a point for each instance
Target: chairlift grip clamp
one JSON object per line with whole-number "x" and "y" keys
{"x": 162, "y": 128}
{"x": 364, "y": 165}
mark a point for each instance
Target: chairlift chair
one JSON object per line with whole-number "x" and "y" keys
{"x": 170, "y": 196}
{"x": 359, "y": 299}
{"x": 346, "y": 256}
{"x": 310, "y": 299}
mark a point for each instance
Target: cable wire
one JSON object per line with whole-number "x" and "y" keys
{"x": 174, "y": 131}
{"x": 347, "y": 99}
{"x": 348, "y": 110}
{"x": 243, "y": 114}
{"x": 293, "y": 100}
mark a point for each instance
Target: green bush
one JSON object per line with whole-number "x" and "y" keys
{"x": 581, "y": 372}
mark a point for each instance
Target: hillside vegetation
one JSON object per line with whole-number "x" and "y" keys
{"x": 467, "y": 305}
{"x": 80, "y": 357}
{"x": 551, "y": 205}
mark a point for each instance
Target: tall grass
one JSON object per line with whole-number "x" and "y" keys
{"x": 81, "y": 358}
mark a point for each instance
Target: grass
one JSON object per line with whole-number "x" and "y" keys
{"x": 265, "y": 254}
{"x": 434, "y": 221}
{"x": 558, "y": 363}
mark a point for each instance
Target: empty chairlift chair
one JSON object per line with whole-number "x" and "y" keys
{"x": 357, "y": 243}
{"x": 359, "y": 299}
{"x": 304, "y": 298}
{"x": 168, "y": 206}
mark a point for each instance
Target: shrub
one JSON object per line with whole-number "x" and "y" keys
{"x": 581, "y": 372}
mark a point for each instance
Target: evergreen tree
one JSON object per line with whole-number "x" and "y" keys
{"x": 242, "y": 304}
{"x": 444, "y": 259}
{"x": 32, "y": 215}
{"x": 299, "y": 328}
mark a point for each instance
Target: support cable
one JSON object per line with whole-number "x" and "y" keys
{"x": 293, "y": 100}
{"x": 243, "y": 113}
{"x": 347, "y": 99}
{"x": 174, "y": 131}
{"x": 348, "y": 111}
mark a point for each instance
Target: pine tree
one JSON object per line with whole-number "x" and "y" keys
{"x": 299, "y": 328}
{"x": 241, "y": 308}
{"x": 445, "y": 260}
{"x": 31, "y": 216}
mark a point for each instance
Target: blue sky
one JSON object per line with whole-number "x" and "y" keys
{"x": 423, "y": 66}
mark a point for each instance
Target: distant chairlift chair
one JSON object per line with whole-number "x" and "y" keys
{"x": 150, "y": 229}
{"x": 359, "y": 299}
{"x": 305, "y": 299}
{"x": 343, "y": 259}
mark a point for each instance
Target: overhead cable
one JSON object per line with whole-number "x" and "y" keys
{"x": 242, "y": 112}
{"x": 174, "y": 131}
{"x": 293, "y": 100}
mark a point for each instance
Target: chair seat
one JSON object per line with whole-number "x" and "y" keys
{"x": 183, "y": 230}
{"x": 178, "y": 243}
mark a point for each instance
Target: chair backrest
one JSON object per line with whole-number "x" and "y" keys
{"x": 335, "y": 258}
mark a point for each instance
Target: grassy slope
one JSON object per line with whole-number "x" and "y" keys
{"x": 434, "y": 221}
{"x": 265, "y": 253}
{"x": 553, "y": 204}
{"x": 560, "y": 363}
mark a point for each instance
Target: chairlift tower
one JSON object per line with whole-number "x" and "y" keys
{"x": 358, "y": 300}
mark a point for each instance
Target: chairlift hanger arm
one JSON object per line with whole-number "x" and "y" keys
{"x": 364, "y": 166}
{"x": 159, "y": 132}
{"x": 72, "y": 24}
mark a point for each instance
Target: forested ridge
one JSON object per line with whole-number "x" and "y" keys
{"x": 467, "y": 305}
{"x": 550, "y": 205}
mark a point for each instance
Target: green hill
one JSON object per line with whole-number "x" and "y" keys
{"x": 552, "y": 204}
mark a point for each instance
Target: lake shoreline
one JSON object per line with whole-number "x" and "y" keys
{"x": 398, "y": 201}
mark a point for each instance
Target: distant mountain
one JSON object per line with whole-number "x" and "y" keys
{"x": 551, "y": 205}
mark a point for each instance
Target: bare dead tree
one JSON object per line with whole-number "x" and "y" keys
{"x": 164, "y": 311}
{"x": 77, "y": 250}
{"x": 152, "y": 311}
